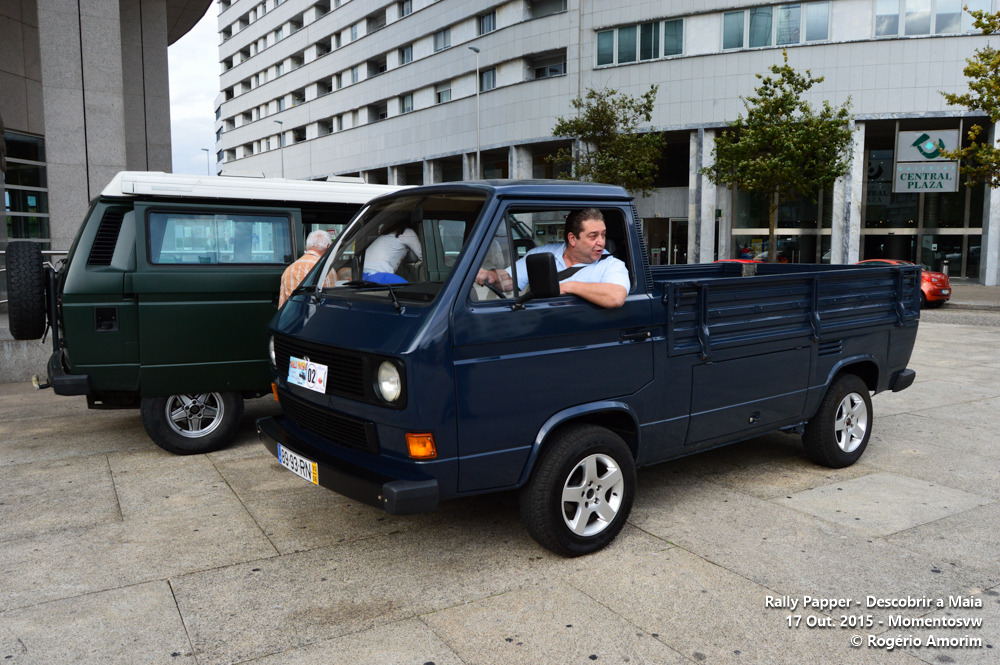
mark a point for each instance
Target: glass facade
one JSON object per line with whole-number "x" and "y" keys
{"x": 26, "y": 196}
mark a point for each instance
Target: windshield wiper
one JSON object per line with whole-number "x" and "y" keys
{"x": 367, "y": 284}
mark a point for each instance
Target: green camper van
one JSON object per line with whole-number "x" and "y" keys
{"x": 163, "y": 300}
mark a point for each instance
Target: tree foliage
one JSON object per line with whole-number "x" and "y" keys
{"x": 609, "y": 148}
{"x": 980, "y": 159}
{"x": 782, "y": 148}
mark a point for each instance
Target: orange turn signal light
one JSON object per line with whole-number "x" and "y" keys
{"x": 421, "y": 446}
{"x": 274, "y": 390}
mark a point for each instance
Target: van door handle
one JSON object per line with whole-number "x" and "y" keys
{"x": 635, "y": 335}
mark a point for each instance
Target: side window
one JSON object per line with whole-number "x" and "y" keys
{"x": 189, "y": 238}
{"x": 502, "y": 274}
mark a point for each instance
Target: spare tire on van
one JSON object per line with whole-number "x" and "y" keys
{"x": 25, "y": 290}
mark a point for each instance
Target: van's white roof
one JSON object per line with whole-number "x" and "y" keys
{"x": 157, "y": 183}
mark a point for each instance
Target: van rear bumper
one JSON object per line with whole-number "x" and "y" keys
{"x": 63, "y": 383}
{"x": 902, "y": 380}
{"x": 394, "y": 495}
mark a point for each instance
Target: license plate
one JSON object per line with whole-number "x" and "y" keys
{"x": 298, "y": 465}
{"x": 303, "y": 372}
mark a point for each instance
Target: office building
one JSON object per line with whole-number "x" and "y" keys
{"x": 410, "y": 91}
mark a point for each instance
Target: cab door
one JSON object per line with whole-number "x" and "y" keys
{"x": 516, "y": 368}
{"x": 206, "y": 283}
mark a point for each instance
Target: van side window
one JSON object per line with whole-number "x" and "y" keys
{"x": 185, "y": 238}
{"x": 523, "y": 230}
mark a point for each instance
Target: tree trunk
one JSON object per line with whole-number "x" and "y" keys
{"x": 772, "y": 216}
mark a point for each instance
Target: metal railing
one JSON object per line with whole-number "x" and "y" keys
{"x": 45, "y": 252}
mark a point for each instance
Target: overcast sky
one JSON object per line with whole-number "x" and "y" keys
{"x": 194, "y": 84}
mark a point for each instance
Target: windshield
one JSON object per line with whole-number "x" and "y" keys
{"x": 402, "y": 248}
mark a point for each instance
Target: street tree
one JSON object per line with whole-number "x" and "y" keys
{"x": 783, "y": 148}
{"x": 980, "y": 159}
{"x": 609, "y": 147}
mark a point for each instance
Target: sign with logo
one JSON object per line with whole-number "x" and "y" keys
{"x": 921, "y": 165}
{"x": 925, "y": 146}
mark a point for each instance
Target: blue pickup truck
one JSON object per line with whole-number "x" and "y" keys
{"x": 407, "y": 388}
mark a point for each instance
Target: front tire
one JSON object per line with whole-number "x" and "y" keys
{"x": 25, "y": 290}
{"x": 839, "y": 432}
{"x": 193, "y": 423}
{"x": 581, "y": 492}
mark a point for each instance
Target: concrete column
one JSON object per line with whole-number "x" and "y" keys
{"x": 81, "y": 58}
{"x": 521, "y": 162}
{"x": 469, "y": 166}
{"x": 396, "y": 175}
{"x": 707, "y": 219}
{"x": 989, "y": 259}
{"x": 702, "y": 195}
{"x": 146, "y": 85}
{"x": 432, "y": 172}
{"x": 845, "y": 234}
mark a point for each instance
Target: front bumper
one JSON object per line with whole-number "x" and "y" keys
{"x": 63, "y": 383}
{"x": 396, "y": 496}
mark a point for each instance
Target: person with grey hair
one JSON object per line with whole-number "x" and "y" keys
{"x": 317, "y": 243}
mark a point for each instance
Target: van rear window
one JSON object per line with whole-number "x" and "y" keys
{"x": 186, "y": 238}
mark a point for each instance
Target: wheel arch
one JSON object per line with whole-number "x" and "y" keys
{"x": 865, "y": 368}
{"x": 615, "y": 416}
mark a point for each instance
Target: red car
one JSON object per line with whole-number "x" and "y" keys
{"x": 935, "y": 288}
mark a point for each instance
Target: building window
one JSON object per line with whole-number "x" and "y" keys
{"x": 487, "y": 22}
{"x": 406, "y": 103}
{"x": 442, "y": 92}
{"x": 340, "y": 123}
{"x": 26, "y": 195}
{"x": 355, "y": 74}
{"x": 405, "y": 8}
{"x": 281, "y": 103}
{"x": 406, "y": 54}
{"x": 779, "y": 25}
{"x": 278, "y": 35}
{"x": 546, "y": 65}
{"x": 354, "y": 32}
{"x": 279, "y": 69}
{"x": 442, "y": 39}
{"x": 487, "y": 79}
{"x": 646, "y": 41}
{"x": 339, "y": 80}
{"x": 924, "y": 17}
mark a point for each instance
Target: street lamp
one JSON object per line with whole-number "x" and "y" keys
{"x": 281, "y": 144}
{"x": 479, "y": 169}
{"x": 208, "y": 166}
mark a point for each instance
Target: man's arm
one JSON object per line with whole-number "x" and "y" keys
{"x": 600, "y": 293}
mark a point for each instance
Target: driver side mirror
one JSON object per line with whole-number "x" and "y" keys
{"x": 542, "y": 278}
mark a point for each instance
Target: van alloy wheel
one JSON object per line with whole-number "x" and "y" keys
{"x": 195, "y": 415}
{"x": 838, "y": 434}
{"x": 192, "y": 423}
{"x": 581, "y": 490}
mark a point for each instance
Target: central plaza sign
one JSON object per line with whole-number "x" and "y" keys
{"x": 920, "y": 162}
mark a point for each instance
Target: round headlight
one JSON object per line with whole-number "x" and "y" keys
{"x": 388, "y": 382}
{"x": 270, "y": 351}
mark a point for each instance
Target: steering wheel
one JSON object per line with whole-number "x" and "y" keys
{"x": 494, "y": 289}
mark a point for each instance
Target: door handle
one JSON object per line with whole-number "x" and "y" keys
{"x": 634, "y": 335}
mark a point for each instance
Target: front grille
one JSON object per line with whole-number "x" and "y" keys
{"x": 334, "y": 427}
{"x": 345, "y": 370}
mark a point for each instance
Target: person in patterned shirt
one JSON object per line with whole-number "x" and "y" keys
{"x": 316, "y": 243}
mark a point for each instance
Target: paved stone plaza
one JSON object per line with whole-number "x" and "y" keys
{"x": 113, "y": 551}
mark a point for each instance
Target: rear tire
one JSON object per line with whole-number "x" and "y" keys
{"x": 839, "y": 432}
{"x": 25, "y": 290}
{"x": 580, "y": 494}
{"x": 194, "y": 423}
